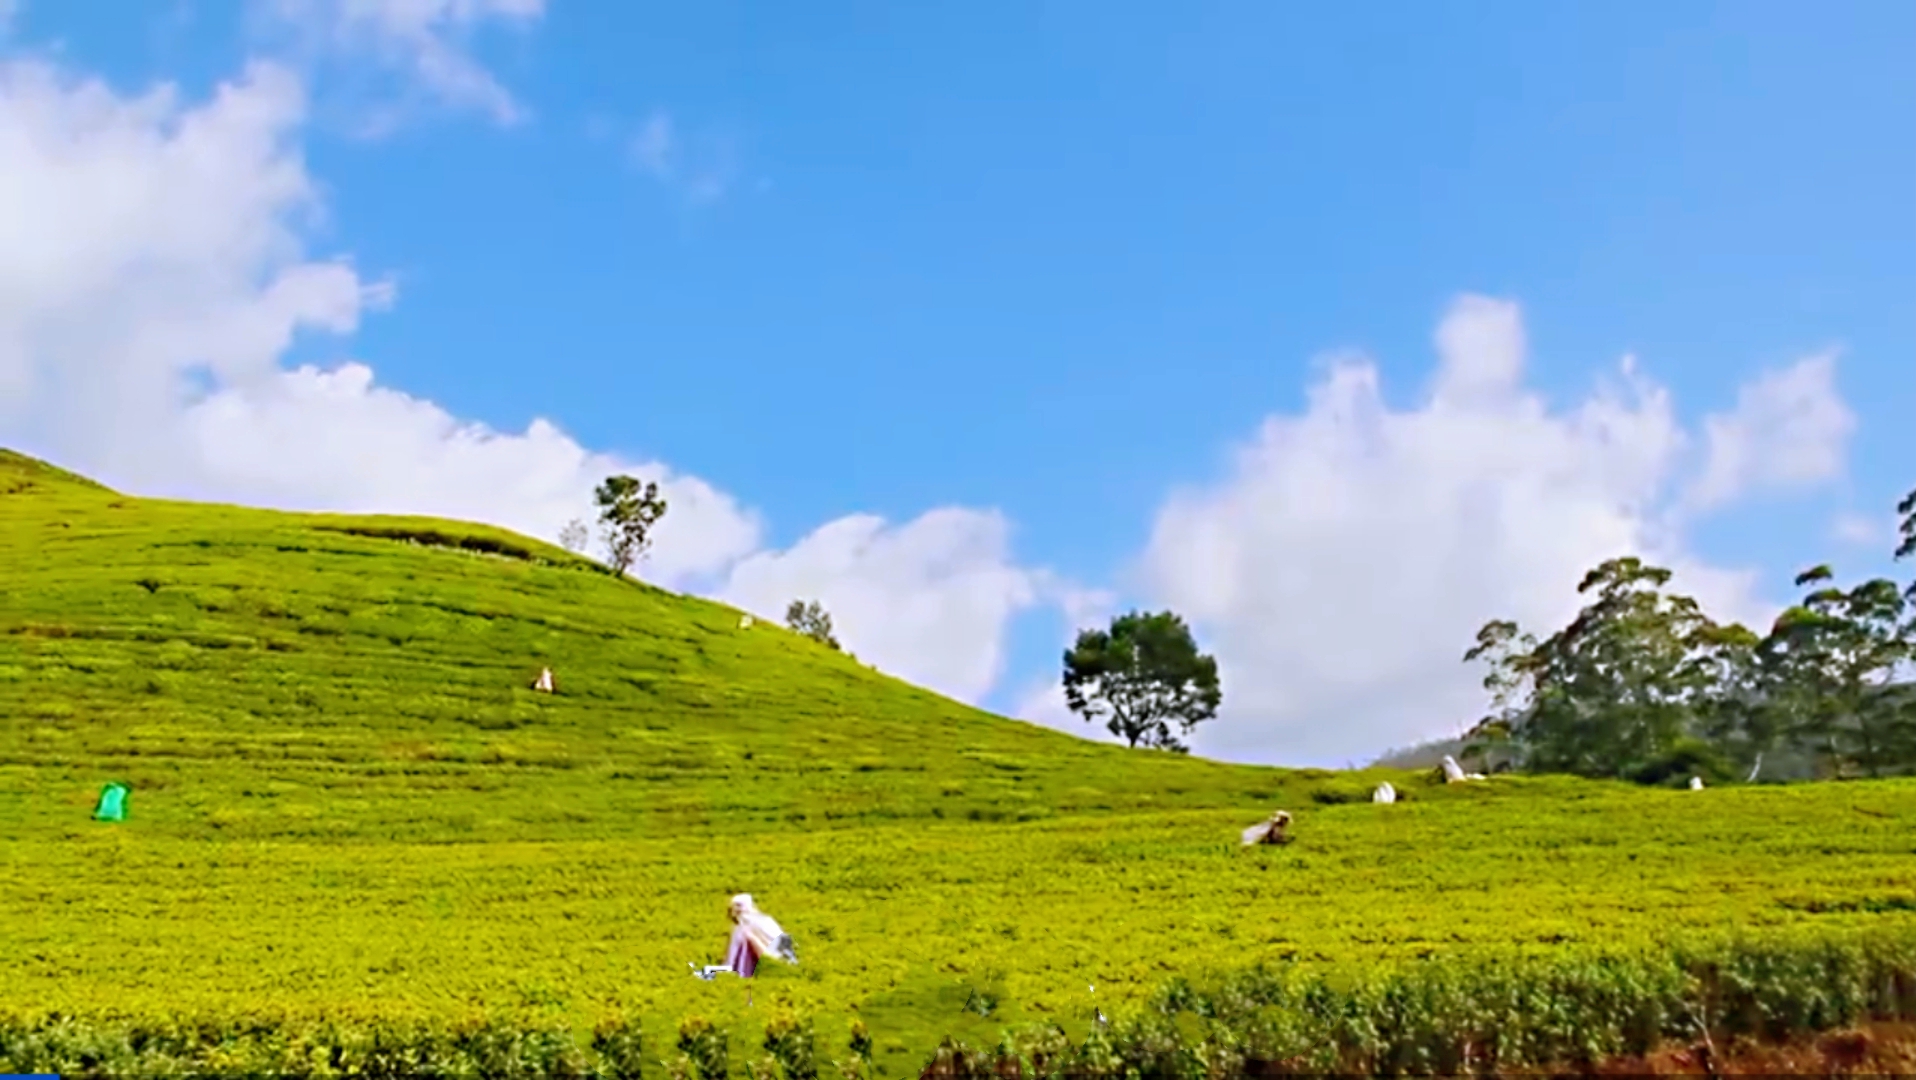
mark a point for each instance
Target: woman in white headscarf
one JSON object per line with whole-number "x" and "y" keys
{"x": 754, "y": 934}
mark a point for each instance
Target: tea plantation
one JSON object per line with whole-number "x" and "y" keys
{"x": 351, "y": 814}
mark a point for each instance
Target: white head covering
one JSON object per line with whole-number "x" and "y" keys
{"x": 768, "y": 938}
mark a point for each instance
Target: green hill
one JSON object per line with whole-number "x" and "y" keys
{"x": 348, "y": 800}
{"x": 371, "y": 678}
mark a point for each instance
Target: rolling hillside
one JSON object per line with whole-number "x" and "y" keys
{"x": 282, "y": 660}
{"x": 348, "y": 801}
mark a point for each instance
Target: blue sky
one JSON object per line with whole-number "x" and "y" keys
{"x": 1058, "y": 260}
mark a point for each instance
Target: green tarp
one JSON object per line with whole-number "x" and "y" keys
{"x": 112, "y": 802}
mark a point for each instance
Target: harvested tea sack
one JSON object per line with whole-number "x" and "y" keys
{"x": 112, "y": 804}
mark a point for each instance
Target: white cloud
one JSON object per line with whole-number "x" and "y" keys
{"x": 1042, "y": 703}
{"x": 927, "y": 601}
{"x": 1789, "y": 430}
{"x": 425, "y": 41}
{"x": 1482, "y": 347}
{"x": 141, "y": 240}
{"x": 1345, "y": 563}
{"x": 148, "y": 248}
{"x": 153, "y": 271}
{"x": 155, "y": 267}
{"x": 1041, "y": 700}
{"x": 334, "y": 440}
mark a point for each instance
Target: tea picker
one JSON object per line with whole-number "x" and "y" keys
{"x": 755, "y": 934}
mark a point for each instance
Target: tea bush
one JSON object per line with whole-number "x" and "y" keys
{"x": 360, "y": 841}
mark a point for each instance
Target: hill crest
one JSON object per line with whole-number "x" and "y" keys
{"x": 150, "y": 638}
{"x": 20, "y": 475}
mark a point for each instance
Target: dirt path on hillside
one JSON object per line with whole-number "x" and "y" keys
{"x": 1869, "y": 1050}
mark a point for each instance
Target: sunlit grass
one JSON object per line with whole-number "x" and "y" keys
{"x": 346, "y": 797}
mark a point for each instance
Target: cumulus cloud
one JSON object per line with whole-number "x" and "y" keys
{"x": 153, "y": 274}
{"x": 927, "y": 600}
{"x": 141, "y": 241}
{"x": 154, "y": 270}
{"x": 1042, "y": 702}
{"x": 1342, "y": 566}
{"x": 335, "y": 440}
{"x": 1789, "y": 430}
{"x": 426, "y": 42}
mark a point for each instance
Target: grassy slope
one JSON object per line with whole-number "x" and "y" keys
{"x": 346, "y": 793}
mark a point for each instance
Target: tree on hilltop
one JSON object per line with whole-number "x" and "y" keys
{"x": 810, "y": 619}
{"x": 1141, "y": 676}
{"x": 628, "y": 510}
{"x": 574, "y": 536}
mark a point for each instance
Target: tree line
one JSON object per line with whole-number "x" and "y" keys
{"x": 1643, "y": 685}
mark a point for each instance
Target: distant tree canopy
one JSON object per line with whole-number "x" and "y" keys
{"x": 810, "y": 618}
{"x": 1141, "y": 676}
{"x": 1906, "y": 532}
{"x": 1643, "y": 685}
{"x": 574, "y": 536}
{"x": 628, "y": 510}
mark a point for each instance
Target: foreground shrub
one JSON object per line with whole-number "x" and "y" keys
{"x": 791, "y": 1044}
{"x": 1437, "y": 1018}
{"x": 322, "y": 1050}
{"x": 1429, "y": 1017}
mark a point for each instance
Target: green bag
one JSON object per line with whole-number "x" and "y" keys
{"x": 112, "y": 802}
